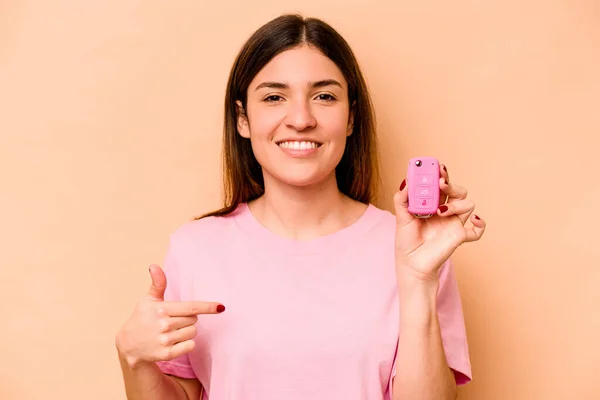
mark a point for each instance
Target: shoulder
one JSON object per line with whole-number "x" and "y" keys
{"x": 387, "y": 216}
{"x": 383, "y": 220}
{"x": 208, "y": 230}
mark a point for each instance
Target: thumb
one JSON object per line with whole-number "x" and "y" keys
{"x": 403, "y": 216}
{"x": 159, "y": 283}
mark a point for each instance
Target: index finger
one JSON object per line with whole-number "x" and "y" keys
{"x": 444, "y": 172}
{"x": 190, "y": 308}
{"x": 444, "y": 179}
{"x": 453, "y": 191}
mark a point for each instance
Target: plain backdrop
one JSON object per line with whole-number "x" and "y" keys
{"x": 110, "y": 129}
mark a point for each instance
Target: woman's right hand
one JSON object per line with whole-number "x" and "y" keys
{"x": 160, "y": 330}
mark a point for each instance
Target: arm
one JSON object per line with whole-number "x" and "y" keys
{"x": 422, "y": 248}
{"x": 146, "y": 381}
{"x": 422, "y": 371}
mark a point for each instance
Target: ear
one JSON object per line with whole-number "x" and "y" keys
{"x": 243, "y": 127}
{"x": 351, "y": 119}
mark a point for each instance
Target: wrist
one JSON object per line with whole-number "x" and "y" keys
{"x": 415, "y": 275}
{"x": 125, "y": 357}
{"x": 132, "y": 362}
{"x": 417, "y": 299}
{"x": 415, "y": 283}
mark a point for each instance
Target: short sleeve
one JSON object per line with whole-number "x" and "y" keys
{"x": 180, "y": 366}
{"x": 452, "y": 327}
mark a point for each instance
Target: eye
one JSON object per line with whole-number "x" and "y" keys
{"x": 325, "y": 97}
{"x": 273, "y": 98}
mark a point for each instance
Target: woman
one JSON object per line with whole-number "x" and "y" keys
{"x": 300, "y": 288}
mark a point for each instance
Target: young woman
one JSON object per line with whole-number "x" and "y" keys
{"x": 301, "y": 288}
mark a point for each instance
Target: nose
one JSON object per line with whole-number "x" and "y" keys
{"x": 299, "y": 116}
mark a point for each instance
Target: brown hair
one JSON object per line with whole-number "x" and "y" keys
{"x": 357, "y": 173}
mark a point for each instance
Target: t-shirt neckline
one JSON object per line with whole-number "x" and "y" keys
{"x": 344, "y": 237}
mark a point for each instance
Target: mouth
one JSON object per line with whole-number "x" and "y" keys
{"x": 299, "y": 144}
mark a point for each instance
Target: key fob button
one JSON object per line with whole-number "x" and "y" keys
{"x": 424, "y": 191}
{"x": 424, "y": 202}
{"x": 424, "y": 180}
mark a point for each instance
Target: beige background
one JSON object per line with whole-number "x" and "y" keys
{"x": 110, "y": 125}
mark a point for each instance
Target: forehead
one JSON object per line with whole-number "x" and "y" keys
{"x": 299, "y": 66}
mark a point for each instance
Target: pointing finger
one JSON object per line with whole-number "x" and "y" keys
{"x": 191, "y": 308}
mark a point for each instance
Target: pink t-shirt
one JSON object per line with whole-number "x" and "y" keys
{"x": 313, "y": 319}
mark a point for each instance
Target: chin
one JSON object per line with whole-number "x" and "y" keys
{"x": 302, "y": 182}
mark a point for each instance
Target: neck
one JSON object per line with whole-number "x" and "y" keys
{"x": 307, "y": 212}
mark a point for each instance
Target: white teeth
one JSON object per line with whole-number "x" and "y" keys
{"x": 299, "y": 145}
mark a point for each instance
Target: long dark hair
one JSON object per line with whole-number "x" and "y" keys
{"x": 357, "y": 173}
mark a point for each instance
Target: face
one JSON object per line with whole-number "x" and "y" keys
{"x": 297, "y": 117}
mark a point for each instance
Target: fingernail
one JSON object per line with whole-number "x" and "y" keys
{"x": 476, "y": 217}
{"x": 220, "y": 308}
{"x": 445, "y": 169}
{"x": 403, "y": 184}
{"x": 443, "y": 208}
{"x": 446, "y": 181}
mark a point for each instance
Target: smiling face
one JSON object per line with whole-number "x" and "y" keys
{"x": 297, "y": 117}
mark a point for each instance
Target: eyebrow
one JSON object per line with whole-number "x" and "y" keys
{"x": 313, "y": 85}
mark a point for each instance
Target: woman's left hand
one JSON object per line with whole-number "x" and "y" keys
{"x": 424, "y": 244}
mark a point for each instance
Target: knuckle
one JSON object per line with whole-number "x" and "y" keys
{"x": 458, "y": 235}
{"x": 163, "y": 339}
{"x": 161, "y": 311}
{"x": 193, "y": 331}
{"x": 195, "y": 310}
{"x": 132, "y": 359}
{"x": 167, "y": 353}
{"x": 164, "y": 325}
